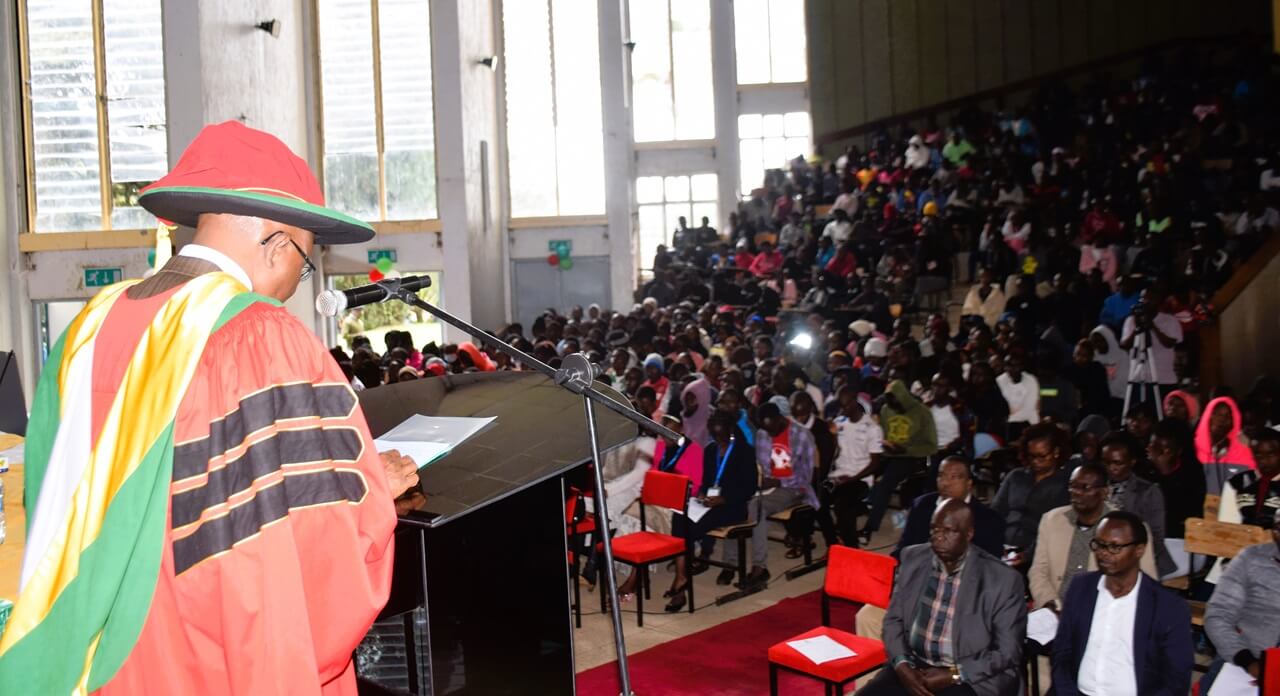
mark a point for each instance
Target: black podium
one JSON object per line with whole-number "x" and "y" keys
{"x": 480, "y": 597}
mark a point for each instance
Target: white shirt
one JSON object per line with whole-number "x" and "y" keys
{"x": 1023, "y": 397}
{"x": 219, "y": 259}
{"x": 857, "y": 442}
{"x": 838, "y": 231}
{"x": 945, "y": 424}
{"x": 1107, "y": 666}
{"x": 1139, "y": 371}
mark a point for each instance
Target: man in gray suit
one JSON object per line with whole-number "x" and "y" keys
{"x": 1134, "y": 494}
{"x": 957, "y": 620}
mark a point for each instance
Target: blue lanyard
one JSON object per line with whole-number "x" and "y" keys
{"x": 724, "y": 460}
{"x": 670, "y": 462}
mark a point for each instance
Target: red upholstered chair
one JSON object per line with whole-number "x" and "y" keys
{"x": 1271, "y": 672}
{"x": 641, "y": 548}
{"x": 856, "y": 576}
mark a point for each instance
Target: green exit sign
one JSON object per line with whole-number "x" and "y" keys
{"x": 102, "y": 277}
{"x": 375, "y": 254}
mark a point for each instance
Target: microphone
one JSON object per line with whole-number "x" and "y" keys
{"x": 330, "y": 302}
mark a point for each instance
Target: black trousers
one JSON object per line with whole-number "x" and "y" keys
{"x": 896, "y": 470}
{"x": 847, "y": 502}
{"x": 886, "y": 684}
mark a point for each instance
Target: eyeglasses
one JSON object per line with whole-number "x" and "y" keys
{"x": 1083, "y": 487}
{"x": 1110, "y": 549}
{"x": 308, "y": 268}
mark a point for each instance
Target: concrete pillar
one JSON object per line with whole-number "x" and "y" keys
{"x": 219, "y": 67}
{"x": 475, "y": 269}
{"x": 724, "y": 80}
{"x": 16, "y": 327}
{"x": 619, "y": 171}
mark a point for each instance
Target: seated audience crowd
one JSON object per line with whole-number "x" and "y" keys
{"x": 1047, "y": 447}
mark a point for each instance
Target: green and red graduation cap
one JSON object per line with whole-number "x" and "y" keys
{"x": 233, "y": 169}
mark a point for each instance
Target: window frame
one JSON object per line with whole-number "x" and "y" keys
{"x": 771, "y": 82}
{"x": 558, "y": 220}
{"x": 675, "y": 140}
{"x": 106, "y": 236}
{"x": 381, "y": 225}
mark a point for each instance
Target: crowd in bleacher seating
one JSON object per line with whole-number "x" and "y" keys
{"x": 813, "y": 339}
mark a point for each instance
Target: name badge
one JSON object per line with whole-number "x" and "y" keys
{"x": 713, "y": 492}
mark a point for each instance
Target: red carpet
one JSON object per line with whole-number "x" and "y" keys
{"x": 726, "y": 660}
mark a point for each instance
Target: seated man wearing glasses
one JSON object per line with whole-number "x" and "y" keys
{"x": 957, "y": 620}
{"x": 1062, "y": 544}
{"x": 1121, "y": 632}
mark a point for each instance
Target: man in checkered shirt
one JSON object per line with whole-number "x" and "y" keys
{"x": 957, "y": 620}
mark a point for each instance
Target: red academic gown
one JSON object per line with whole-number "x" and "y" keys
{"x": 277, "y": 555}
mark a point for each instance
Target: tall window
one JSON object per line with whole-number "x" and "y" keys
{"x": 770, "y": 39}
{"x": 671, "y": 70}
{"x": 769, "y": 141}
{"x": 663, "y": 200}
{"x": 377, "y": 108}
{"x": 555, "y": 136}
{"x": 95, "y": 110}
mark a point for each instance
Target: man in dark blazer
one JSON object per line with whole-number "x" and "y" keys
{"x": 1120, "y": 632}
{"x": 1120, "y": 453}
{"x": 955, "y": 481}
{"x": 957, "y": 621}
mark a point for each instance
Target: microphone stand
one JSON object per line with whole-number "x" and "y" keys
{"x": 577, "y": 374}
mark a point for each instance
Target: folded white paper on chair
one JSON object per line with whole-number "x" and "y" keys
{"x": 696, "y": 510}
{"x": 1042, "y": 626}
{"x": 820, "y": 649}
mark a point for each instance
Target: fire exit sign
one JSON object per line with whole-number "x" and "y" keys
{"x": 102, "y": 277}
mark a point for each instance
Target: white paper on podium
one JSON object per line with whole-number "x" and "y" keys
{"x": 428, "y": 438}
{"x": 1233, "y": 681}
{"x": 820, "y": 649}
{"x": 1042, "y": 626}
{"x": 696, "y": 510}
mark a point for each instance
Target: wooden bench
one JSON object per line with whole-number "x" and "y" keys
{"x": 785, "y": 516}
{"x": 738, "y": 533}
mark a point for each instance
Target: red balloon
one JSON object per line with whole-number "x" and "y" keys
{"x": 375, "y": 275}
{"x": 553, "y": 259}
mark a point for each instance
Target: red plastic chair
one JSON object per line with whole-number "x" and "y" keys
{"x": 855, "y": 576}
{"x": 1271, "y": 672}
{"x": 641, "y": 548}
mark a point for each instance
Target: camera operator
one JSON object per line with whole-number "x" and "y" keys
{"x": 1150, "y": 336}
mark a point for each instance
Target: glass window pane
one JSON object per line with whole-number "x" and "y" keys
{"x": 347, "y": 105}
{"x": 751, "y": 30}
{"x": 704, "y": 187}
{"x": 691, "y": 56}
{"x": 796, "y": 123}
{"x": 579, "y": 127}
{"x": 649, "y": 189}
{"x": 751, "y": 159}
{"x": 531, "y": 138}
{"x": 774, "y": 153}
{"x": 710, "y": 211}
{"x": 749, "y": 126}
{"x": 797, "y": 147}
{"x": 787, "y": 45}
{"x": 651, "y": 71}
{"x": 64, "y": 115}
{"x": 408, "y": 129}
{"x": 137, "y": 144}
{"x": 652, "y": 233}
{"x": 676, "y": 188}
{"x": 772, "y": 125}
